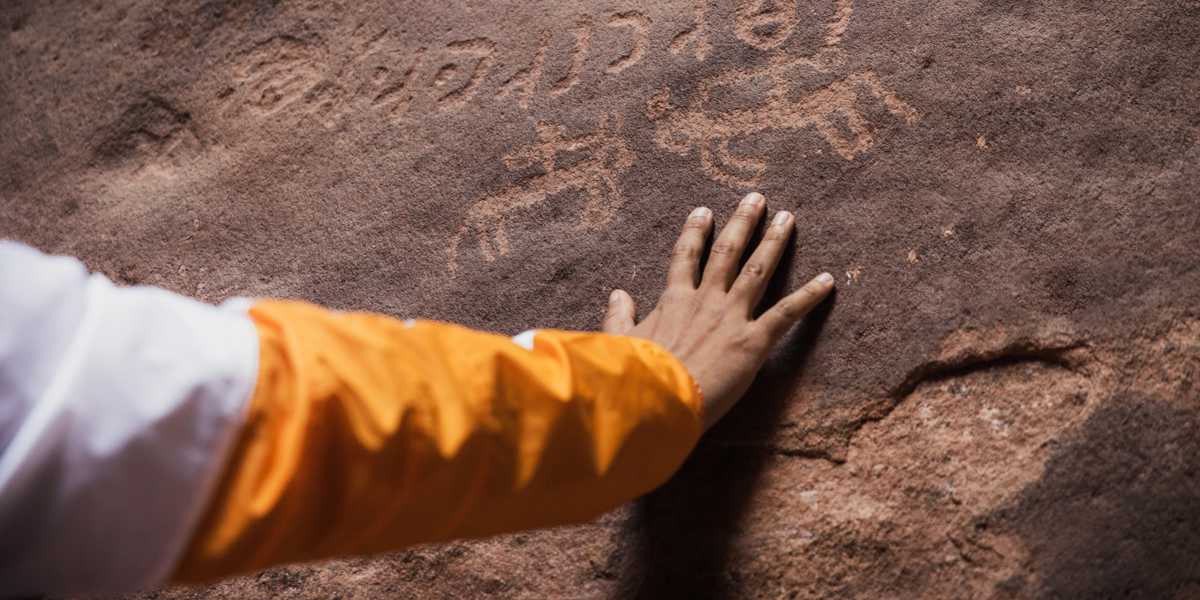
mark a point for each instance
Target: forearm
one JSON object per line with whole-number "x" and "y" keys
{"x": 368, "y": 434}
{"x": 326, "y": 434}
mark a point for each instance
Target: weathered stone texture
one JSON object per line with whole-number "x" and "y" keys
{"x": 1000, "y": 401}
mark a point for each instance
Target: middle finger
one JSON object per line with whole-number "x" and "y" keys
{"x": 752, "y": 282}
{"x": 727, "y": 250}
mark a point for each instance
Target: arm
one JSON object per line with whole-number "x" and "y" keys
{"x": 217, "y": 441}
{"x": 367, "y": 434}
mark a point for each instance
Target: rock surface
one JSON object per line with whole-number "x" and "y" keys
{"x": 1001, "y": 400}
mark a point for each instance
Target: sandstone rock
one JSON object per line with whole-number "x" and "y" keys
{"x": 999, "y": 402}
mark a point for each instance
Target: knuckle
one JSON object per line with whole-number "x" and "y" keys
{"x": 686, "y": 250}
{"x": 742, "y": 216}
{"x": 754, "y": 269}
{"x": 724, "y": 248}
{"x": 695, "y": 224}
{"x": 775, "y": 234}
{"x": 792, "y": 308}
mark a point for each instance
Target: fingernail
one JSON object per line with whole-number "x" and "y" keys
{"x": 825, "y": 279}
{"x": 781, "y": 217}
{"x": 700, "y": 212}
{"x": 753, "y": 199}
{"x": 614, "y": 296}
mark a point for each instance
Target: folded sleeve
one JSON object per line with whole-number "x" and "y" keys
{"x": 367, "y": 434}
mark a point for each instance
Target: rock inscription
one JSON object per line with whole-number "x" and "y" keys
{"x": 833, "y": 111}
{"x": 288, "y": 71}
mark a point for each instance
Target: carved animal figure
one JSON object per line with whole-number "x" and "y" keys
{"x": 605, "y": 157}
{"x": 682, "y": 130}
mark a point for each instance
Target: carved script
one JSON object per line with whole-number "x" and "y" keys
{"x": 375, "y": 74}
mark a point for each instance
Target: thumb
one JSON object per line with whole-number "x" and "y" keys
{"x": 618, "y": 319}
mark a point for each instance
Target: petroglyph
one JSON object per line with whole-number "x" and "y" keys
{"x": 363, "y": 46}
{"x": 605, "y": 157}
{"x": 681, "y": 131}
{"x": 765, "y": 24}
{"x": 287, "y": 70}
{"x": 479, "y": 51}
{"x": 836, "y": 29}
{"x": 583, "y": 40}
{"x": 277, "y": 73}
{"x": 396, "y": 97}
{"x": 326, "y": 102}
{"x": 826, "y": 110}
{"x": 640, "y": 26}
{"x": 523, "y": 84}
{"x": 695, "y": 37}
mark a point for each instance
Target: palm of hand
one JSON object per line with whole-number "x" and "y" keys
{"x": 707, "y": 320}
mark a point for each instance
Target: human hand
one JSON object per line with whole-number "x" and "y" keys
{"x": 708, "y": 322}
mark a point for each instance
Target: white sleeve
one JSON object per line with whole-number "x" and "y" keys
{"x": 117, "y": 408}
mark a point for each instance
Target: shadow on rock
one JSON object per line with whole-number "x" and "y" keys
{"x": 1117, "y": 512}
{"x": 679, "y": 538}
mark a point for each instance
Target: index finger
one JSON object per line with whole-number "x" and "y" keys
{"x": 780, "y": 318}
{"x": 685, "y": 257}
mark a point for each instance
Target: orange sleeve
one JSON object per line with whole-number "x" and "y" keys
{"x": 367, "y": 434}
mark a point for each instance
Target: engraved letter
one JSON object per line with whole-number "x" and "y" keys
{"x": 398, "y": 96}
{"x": 640, "y": 24}
{"x": 583, "y": 39}
{"x": 696, "y": 36}
{"x": 765, "y": 24}
{"x": 481, "y": 49}
{"x": 524, "y": 83}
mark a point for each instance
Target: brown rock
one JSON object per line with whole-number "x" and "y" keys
{"x": 1001, "y": 399}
